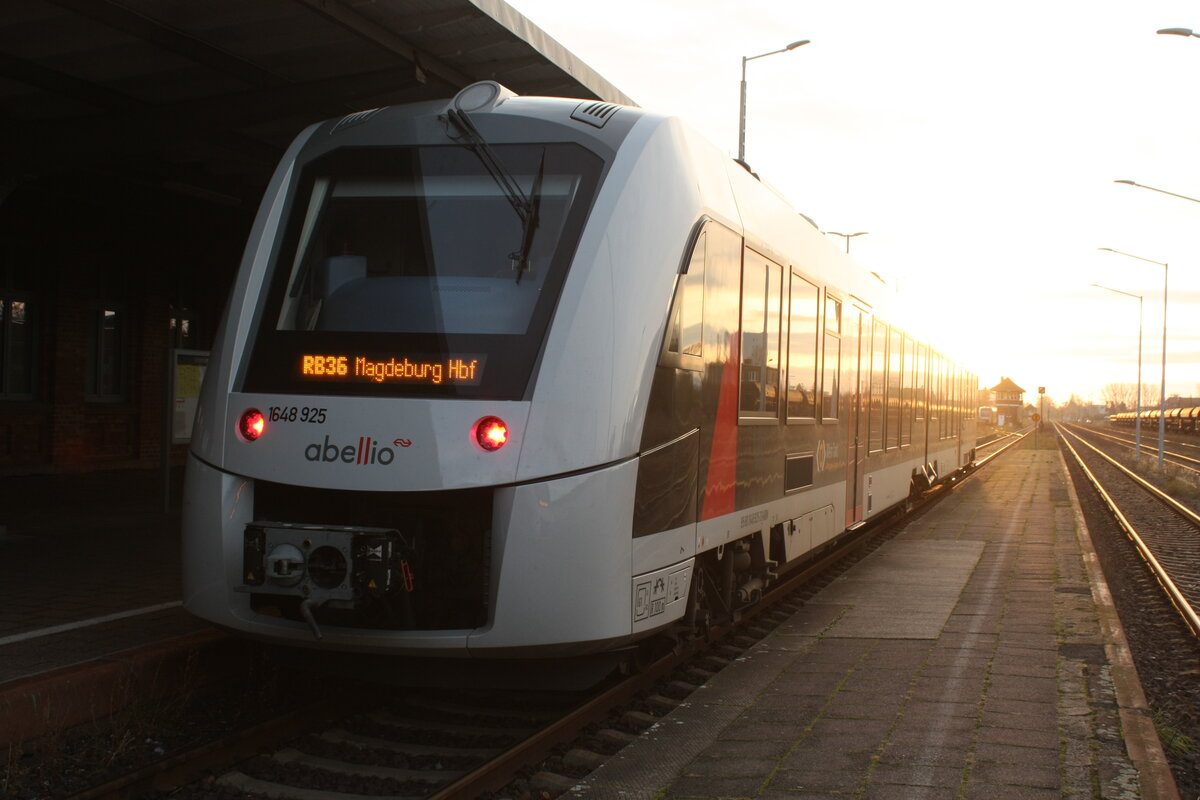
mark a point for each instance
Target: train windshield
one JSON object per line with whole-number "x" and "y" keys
{"x": 417, "y": 271}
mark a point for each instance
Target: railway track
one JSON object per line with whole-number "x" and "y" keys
{"x": 986, "y": 451}
{"x": 1181, "y": 454}
{"x": 437, "y": 745}
{"x": 423, "y": 745}
{"x": 1166, "y": 533}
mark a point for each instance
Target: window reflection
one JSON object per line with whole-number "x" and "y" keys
{"x": 761, "y": 300}
{"x": 802, "y": 349}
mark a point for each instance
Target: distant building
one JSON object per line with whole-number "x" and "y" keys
{"x": 1006, "y": 397}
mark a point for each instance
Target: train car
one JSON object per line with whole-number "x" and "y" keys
{"x": 510, "y": 376}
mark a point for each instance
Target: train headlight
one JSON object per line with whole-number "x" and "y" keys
{"x": 251, "y": 424}
{"x": 491, "y": 433}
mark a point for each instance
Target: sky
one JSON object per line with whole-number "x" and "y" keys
{"x": 977, "y": 144}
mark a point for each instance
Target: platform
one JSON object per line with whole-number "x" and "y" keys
{"x": 975, "y": 655}
{"x": 89, "y": 567}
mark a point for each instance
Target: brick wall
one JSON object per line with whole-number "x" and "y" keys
{"x": 156, "y": 254}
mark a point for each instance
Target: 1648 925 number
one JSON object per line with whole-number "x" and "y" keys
{"x": 313, "y": 416}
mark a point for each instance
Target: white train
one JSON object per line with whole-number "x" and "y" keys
{"x": 523, "y": 376}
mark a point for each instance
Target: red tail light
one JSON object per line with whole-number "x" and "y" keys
{"x": 251, "y": 424}
{"x": 491, "y": 433}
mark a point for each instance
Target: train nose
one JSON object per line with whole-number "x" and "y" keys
{"x": 285, "y": 565}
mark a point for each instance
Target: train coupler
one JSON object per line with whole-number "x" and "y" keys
{"x": 318, "y": 567}
{"x": 306, "y": 611}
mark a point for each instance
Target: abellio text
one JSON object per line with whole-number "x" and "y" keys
{"x": 365, "y": 453}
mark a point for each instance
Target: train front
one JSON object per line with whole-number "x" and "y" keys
{"x": 384, "y": 459}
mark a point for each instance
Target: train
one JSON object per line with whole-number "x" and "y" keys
{"x": 508, "y": 377}
{"x": 1185, "y": 420}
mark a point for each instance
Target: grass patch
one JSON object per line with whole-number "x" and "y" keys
{"x": 1173, "y": 741}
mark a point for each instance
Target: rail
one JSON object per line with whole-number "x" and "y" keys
{"x": 1173, "y": 592}
{"x": 1178, "y": 459}
{"x": 1013, "y": 440}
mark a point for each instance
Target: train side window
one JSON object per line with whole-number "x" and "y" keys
{"x": 935, "y": 394}
{"x": 762, "y": 298}
{"x": 686, "y": 326}
{"x": 943, "y": 407}
{"x": 802, "y": 350}
{"x": 972, "y": 397}
{"x": 948, "y": 417}
{"x": 895, "y": 360}
{"x": 956, "y": 388}
{"x": 832, "y": 358}
{"x": 951, "y": 398}
{"x": 965, "y": 401}
{"x": 956, "y": 427}
{"x": 958, "y": 400}
{"x": 906, "y": 404}
{"x": 968, "y": 402}
{"x": 921, "y": 399}
{"x": 878, "y": 387}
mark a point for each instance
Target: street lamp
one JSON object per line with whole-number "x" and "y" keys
{"x": 1162, "y": 404}
{"x": 1179, "y": 32}
{"x": 847, "y": 237}
{"x": 1137, "y": 421}
{"x": 742, "y": 110}
{"x": 1160, "y": 191}
{"x": 1162, "y": 394}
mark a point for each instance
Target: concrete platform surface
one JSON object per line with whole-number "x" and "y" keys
{"x": 975, "y": 655}
{"x": 89, "y": 567}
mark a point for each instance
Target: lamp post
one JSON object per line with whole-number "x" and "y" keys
{"x": 742, "y": 110}
{"x": 1178, "y": 32}
{"x": 1162, "y": 394}
{"x": 847, "y": 237}
{"x": 1162, "y": 404}
{"x": 1160, "y": 191}
{"x": 1137, "y": 421}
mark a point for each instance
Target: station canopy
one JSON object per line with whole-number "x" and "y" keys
{"x": 201, "y": 97}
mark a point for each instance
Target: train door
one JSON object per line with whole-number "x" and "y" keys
{"x": 857, "y": 326}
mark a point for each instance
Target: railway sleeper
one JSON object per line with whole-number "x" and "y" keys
{"x": 551, "y": 782}
{"x": 581, "y": 761}
{"x": 430, "y": 776}
{"x": 612, "y": 739}
{"x": 341, "y": 736}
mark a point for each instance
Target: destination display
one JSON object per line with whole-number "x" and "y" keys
{"x": 464, "y": 370}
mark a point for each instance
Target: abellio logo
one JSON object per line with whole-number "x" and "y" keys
{"x": 365, "y": 453}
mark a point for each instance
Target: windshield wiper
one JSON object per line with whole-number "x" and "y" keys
{"x": 521, "y": 259}
{"x": 526, "y": 206}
